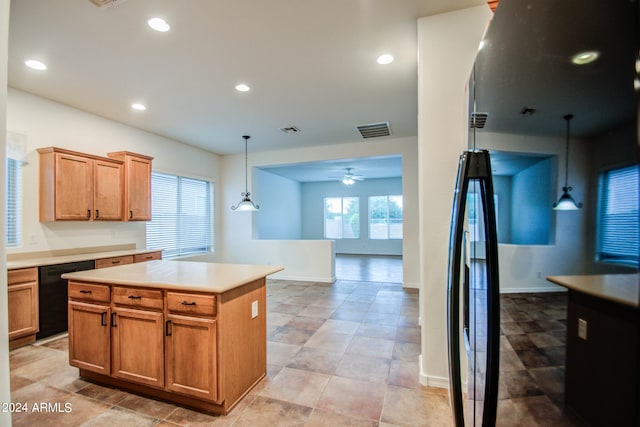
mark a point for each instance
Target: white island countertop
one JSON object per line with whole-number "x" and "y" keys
{"x": 619, "y": 288}
{"x": 183, "y": 275}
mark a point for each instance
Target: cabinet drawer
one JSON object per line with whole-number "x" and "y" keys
{"x": 191, "y": 303}
{"x": 112, "y": 262}
{"x": 88, "y": 292}
{"x": 136, "y": 297}
{"x": 147, "y": 257}
{"x": 22, "y": 275}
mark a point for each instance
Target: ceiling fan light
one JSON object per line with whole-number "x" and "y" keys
{"x": 348, "y": 181}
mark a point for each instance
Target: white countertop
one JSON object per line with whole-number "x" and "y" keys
{"x": 182, "y": 275}
{"x": 37, "y": 259}
{"x": 619, "y": 288}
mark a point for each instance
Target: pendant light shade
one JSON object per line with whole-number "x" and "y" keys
{"x": 566, "y": 202}
{"x": 246, "y": 204}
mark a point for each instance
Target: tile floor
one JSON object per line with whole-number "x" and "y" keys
{"x": 338, "y": 355}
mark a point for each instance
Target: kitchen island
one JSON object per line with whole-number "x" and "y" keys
{"x": 192, "y": 333}
{"x": 602, "y": 373}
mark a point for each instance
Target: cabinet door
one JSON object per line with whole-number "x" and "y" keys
{"x": 138, "y": 344}
{"x": 23, "y": 309}
{"x": 107, "y": 191}
{"x": 191, "y": 356}
{"x": 139, "y": 189}
{"x": 89, "y": 337}
{"x": 73, "y": 183}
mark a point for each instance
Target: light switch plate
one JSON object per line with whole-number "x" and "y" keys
{"x": 582, "y": 329}
{"x": 254, "y": 309}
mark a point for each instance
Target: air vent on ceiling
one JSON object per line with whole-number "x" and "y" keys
{"x": 290, "y": 129}
{"x": 106, "y": 3}
{"x": 478, "y": 120}
{"x": 374, "y": 130}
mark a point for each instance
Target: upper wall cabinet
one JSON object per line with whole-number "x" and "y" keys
{"x": 137, "y": 185}
{"x": 79, "y": 187}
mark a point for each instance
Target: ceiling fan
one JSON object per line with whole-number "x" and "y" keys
{"x": 349, "y": 178}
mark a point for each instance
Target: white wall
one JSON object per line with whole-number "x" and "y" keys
{"x": 524, "y": 268}
{"x": 5, "y": 391}
{"x": 313, "y": 194}
{"x": 239, "y": 245}
{"x": 531, "y": 201}
{"x": 280, "y": 207}
{"x": 47, "y": 123}
{"x": 447, "y": 45}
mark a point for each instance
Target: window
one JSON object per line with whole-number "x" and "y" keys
{"x": 341, "y": 217}
{"x": 385, "y": 217}
{"x": 14, "y": 202}
{"x": 181, "y": 215}
{"x": 618, "y": 216}
{"x": 475, "y": 218}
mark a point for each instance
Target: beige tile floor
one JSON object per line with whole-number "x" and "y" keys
{"x": 344, "y": 354}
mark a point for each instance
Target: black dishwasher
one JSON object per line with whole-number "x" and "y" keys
{"x": 52, "y": 296}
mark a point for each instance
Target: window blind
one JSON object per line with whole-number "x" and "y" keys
{"x": 181, "y": 212}
{"x": 14, "y": 203}
{"x": 618, "y": 216}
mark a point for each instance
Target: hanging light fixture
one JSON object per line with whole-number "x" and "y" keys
{"x": 566, "y": 202}
{"x": 245, "y": 204}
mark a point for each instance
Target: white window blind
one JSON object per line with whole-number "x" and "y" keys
{"x": 618, "y": 216}
{"x": 14, "y": 202}
{"x": 181, "y": 212}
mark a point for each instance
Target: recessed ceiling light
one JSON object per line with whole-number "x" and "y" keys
{"x": 242, "y": 87}
{"x": 35, "y": 64}
{"x": 139, "y": 107}
{"x": 385, "y": 59}
{"x": 159, "y": 24}
{"x": 586, "y": 57}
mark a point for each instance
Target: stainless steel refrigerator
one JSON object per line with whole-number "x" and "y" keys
{"x": 473, "y": 314}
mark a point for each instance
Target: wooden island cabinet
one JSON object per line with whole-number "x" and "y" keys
{"x": 187, "y": 332}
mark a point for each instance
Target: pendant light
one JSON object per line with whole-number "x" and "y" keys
{"x": 245, "y": 204}
{"x": 566, "y": 202}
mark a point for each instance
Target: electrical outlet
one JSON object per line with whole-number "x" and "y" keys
{"x": 254, "y": 309}
{"x": 582, "y": 329}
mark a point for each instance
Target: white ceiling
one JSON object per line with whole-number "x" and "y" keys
{"x": 310, "y": 64}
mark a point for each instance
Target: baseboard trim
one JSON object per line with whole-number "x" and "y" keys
{"x": 431, "y": 380}
{"x": 531, "y": 290}
{"x": 303, "y": 278}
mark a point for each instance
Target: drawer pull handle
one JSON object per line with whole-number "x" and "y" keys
{"x": 103, "y": 319}
{"x": 113, "y": 320}
{"x": 115, "y": 262}
{"x": 85, "y": 291}
{"x": 130, "y": 214}
{"x": 167, "y": 331}
{"x": 149, "y": 256}
{"x": 135, "y": 297}
{"x": 188, "y": 303}
{"x": 97, "y": 213}
{"x": 88, "y": 213}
